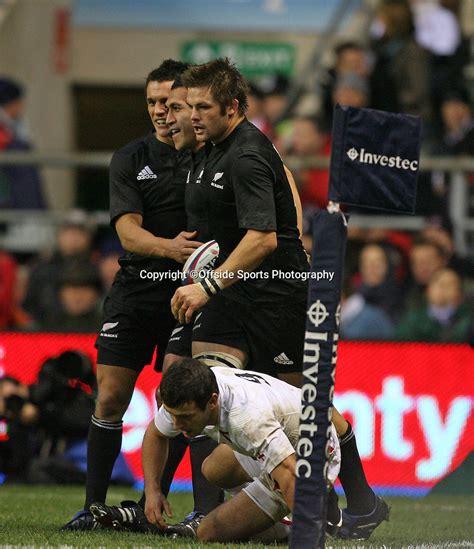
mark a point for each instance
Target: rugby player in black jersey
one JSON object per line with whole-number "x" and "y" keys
{"x": 247, "y": 312}
{"x": 147, "y": 181}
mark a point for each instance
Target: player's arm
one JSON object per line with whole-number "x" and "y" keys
{"x": 248, "y": 254}
{"x": 154, "y": 455}
{"x": 284, "y": 474}
{"x": 296, "y": 200}
{"x": 134, "y": 238}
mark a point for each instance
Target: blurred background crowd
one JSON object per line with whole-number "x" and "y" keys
{"x": 400, "y": 283}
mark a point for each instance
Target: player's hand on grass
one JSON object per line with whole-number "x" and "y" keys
{"x": 183, "y": 245}
{"x": 155, "y": 505}
{"x": 186, "y": 301}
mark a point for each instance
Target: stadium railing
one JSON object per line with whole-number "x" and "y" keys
{"x": 32, "y": 228}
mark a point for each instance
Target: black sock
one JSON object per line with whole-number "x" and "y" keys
{"x": 176, "y": 449}
{"x": 206, "y": 496}
{"x": 360, "y": 496}
{"x": 103, "y": 447}
{"x": 333, "y": 515}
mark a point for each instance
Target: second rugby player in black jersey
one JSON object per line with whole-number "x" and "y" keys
{"x": 147, "y": 181}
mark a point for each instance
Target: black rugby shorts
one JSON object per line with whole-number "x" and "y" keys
{"x": 180, "y": 340}
{"x": 271, "y": 335}
{"x": 130, "y": 334}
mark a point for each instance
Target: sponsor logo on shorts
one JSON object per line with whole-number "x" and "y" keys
{"x": 217, "y": 176}
{"x": 146, "y": 173}
{"x": 283, "y": 359}
{"x": 108, "y": 326}
{"x": 365, "y": 157}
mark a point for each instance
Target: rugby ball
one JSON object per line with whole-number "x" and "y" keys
{"x": 200, "y": 262}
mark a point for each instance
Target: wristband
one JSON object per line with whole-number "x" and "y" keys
{"x": 207, "y": 288}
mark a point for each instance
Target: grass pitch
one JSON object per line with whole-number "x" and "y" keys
{"x": 32, "y": 515}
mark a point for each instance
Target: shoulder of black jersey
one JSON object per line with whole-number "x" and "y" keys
{"x": 247, "y": 134}
{"x": 133, "y": 146}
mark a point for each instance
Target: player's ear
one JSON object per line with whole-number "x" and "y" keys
{"x": 213, "y": 401}
{"x": 233, "y": 108}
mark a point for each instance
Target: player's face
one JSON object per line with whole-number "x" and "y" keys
{"x": 156, "y": 97}
{"x": 190, "y": 419}
{"x": 179, "y": 120}
{"x": 207, "y": 119}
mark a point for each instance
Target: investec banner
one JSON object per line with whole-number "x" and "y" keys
{"x": 375, "y": 159}
{"x": 252, "y": 58}
{"x": 319, "y": 362}
{"x": 410, "y": 404}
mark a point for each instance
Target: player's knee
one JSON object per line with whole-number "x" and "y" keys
{"x": 209, "y": 470}
{"x": 111, "y": 406}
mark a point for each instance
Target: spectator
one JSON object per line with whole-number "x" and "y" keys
{"x": 8, "y": 270}
{"x": 18, "y": 417}
{"x": 20, "y": 186}
{"x": 446, "y": 316}
{"x": 458, "y": 123}
{"x": 350, "y": 58}
{"x": 80, "y": 291}
{"x": 400, "y": 78}
{"x": 362, "y": 320}
{"x": 441, "y": 236}
{"x": 426, "y": 257}
{"x": 308, "y": 139}
{"x": 438, "y": 30}
{"x": 256, "y": 110}
{"x": 74, "y": 240}
{"x": 377, "y": 281}
{"x": 351, "y": 90}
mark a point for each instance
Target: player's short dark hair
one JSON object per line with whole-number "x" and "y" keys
{"x": 223, "y": 79}
{"x": 188, "y": 380}
{"x": 178, "y": 83}
{"x": 167, "y": 71}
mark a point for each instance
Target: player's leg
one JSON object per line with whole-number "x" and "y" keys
{"x": 125, "y": 344}
{"x": 365, "y": 511}
{"x": 218, "y": 337}
{"x": 238, "y": 519}
{"x": 256, "y": 506}
{"x": 274, "y": 349}
{"x": 115, "y": 388}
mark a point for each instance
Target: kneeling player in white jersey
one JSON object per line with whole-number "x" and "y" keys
{"x": 255, "y": 418}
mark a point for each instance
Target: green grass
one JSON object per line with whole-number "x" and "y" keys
{"x": 32, "y": 515}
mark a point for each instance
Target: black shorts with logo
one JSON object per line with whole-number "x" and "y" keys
{"x": 130, "y": 334}
{"x": 271, "y": 335}
{"x": 181, "y": 339}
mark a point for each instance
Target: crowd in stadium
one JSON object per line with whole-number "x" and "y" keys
{"x": 398, "y": 284}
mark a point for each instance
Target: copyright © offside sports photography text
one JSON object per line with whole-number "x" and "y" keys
{"x": 239, "y": 275}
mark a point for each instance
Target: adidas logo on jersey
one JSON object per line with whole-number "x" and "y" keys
{"x": 283, "y": 359}
{"x": 146, "y": 173}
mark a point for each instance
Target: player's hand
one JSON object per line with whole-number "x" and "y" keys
{"x": 186, "y": 301}
{"x": 182, "y": 246}
{"x": 155, "y": 505}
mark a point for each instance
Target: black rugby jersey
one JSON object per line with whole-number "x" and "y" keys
{"x": 247, "y": 188}
{"x": 148, "y": 177}
{"x": 195, "y": 198}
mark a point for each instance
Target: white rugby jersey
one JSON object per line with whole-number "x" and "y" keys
{"x": 258, "y": 416}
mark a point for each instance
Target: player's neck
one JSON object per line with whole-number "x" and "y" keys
{"x": 232, "y": 125}
{"x": 199, "y": 145}
{"x": 166, "y": 140}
